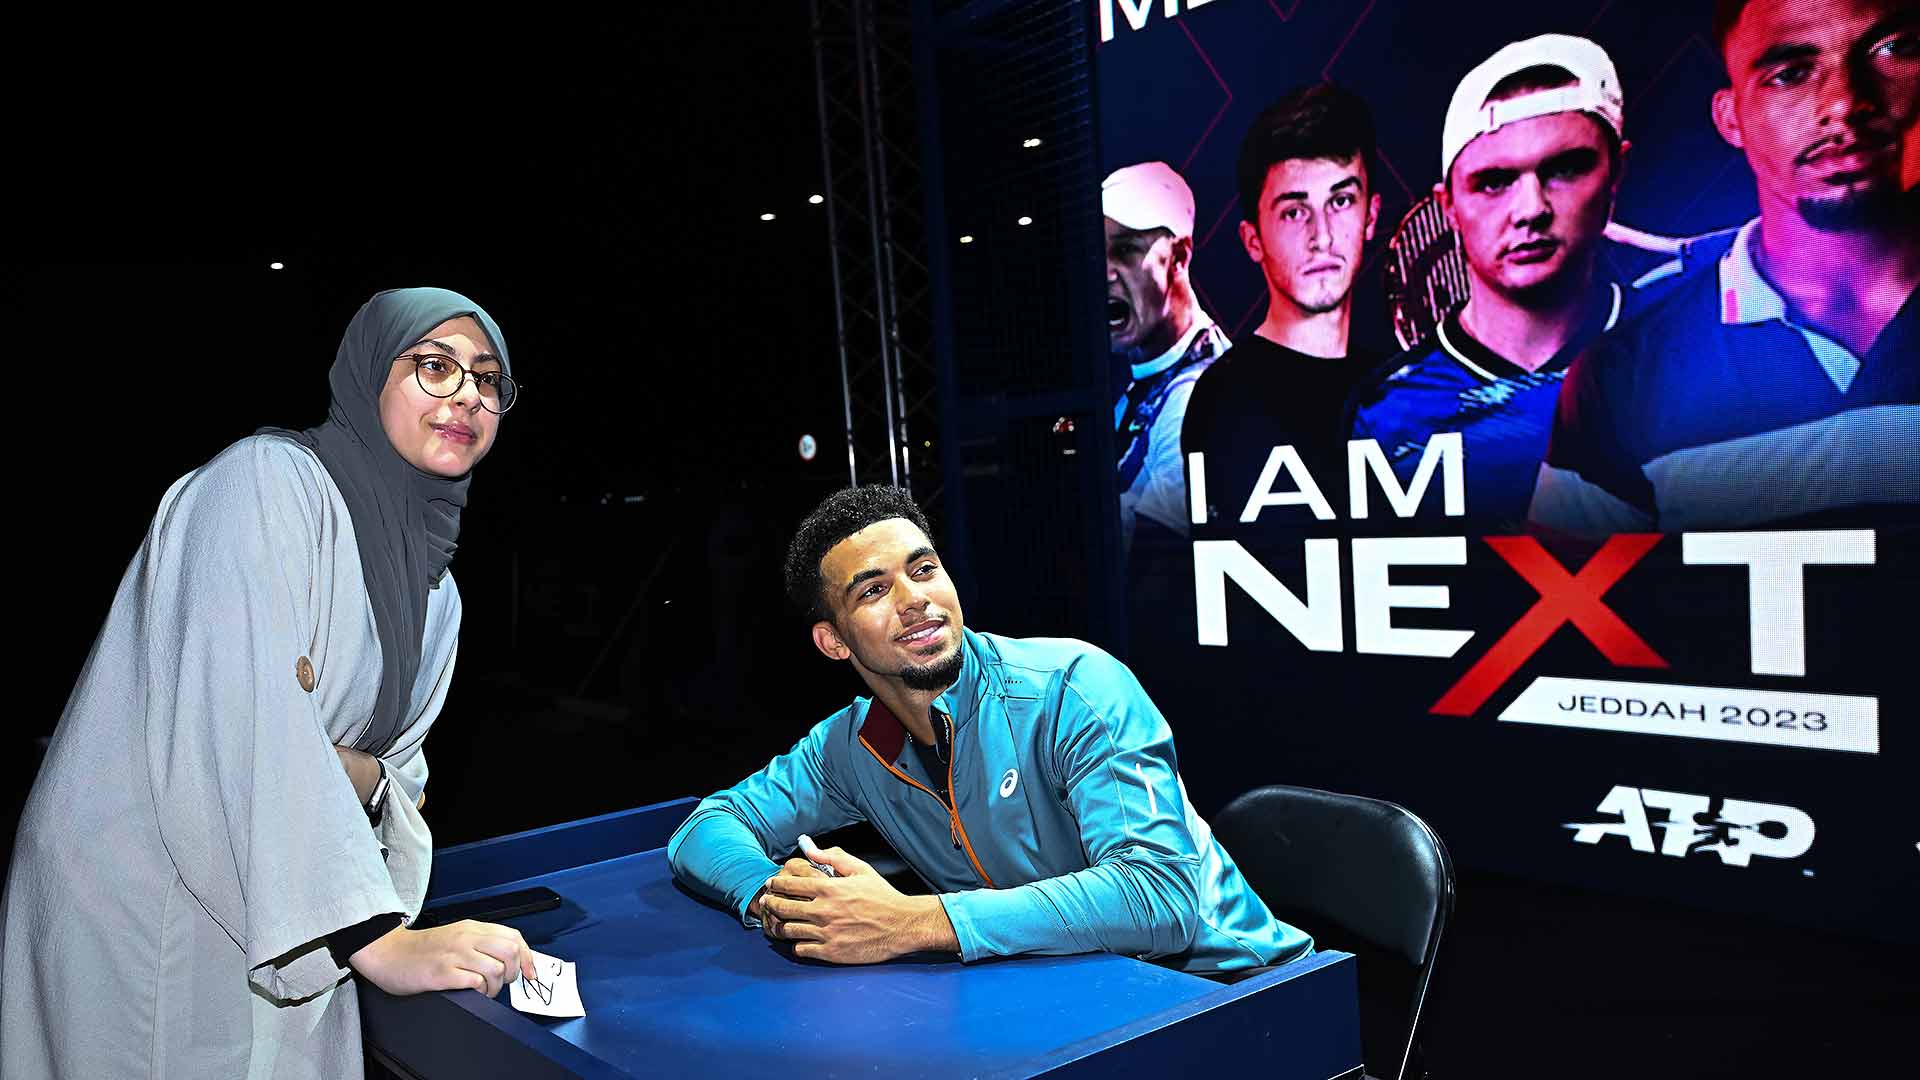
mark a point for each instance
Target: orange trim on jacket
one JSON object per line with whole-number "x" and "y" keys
{"x": 953, "y": 812}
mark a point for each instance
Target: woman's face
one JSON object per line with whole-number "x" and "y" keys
{"x": 444, "y": 436}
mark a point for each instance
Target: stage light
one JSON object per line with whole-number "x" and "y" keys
{"x": 1031, "y": 143}
{"x": 967, "y": 239}
{"x": 1025, "y": 220}
{"x": 766, "y": 217}
{"x": 816, "y": 200}
{"x": 276, "y": 266}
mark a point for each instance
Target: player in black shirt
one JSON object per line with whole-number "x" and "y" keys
{"x": 1306, "y": 191}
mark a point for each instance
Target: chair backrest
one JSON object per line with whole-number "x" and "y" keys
{"x": 1359, "y": 874}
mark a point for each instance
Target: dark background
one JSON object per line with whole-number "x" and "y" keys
{"x": 597, "y": 186}
{"x": 599, "y": 190}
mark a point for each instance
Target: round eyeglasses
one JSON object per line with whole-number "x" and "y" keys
{"x": 443, "y": 376}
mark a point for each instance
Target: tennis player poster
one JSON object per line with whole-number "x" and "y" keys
{"x": 1518, "y": 415}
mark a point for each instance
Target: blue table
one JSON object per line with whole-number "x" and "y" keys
{"x": 675, "y": 987}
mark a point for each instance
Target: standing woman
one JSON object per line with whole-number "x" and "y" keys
{"x": 228, "y": 817}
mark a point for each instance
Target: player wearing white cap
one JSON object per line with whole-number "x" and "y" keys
{"x": 1531, "y": 158}
{"x": 1156, "y": 326}
{"x": 1779, "y": 382}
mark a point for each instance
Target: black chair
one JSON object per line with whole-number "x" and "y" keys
{"x": 1363, "y": 876}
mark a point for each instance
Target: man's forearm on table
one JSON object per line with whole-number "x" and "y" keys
{"x": 716, "y": 855}
{"x": 929, "y": 928}
{"x": 1108, "y": 908}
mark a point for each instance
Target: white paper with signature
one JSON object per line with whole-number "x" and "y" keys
{"x": 553, "y": 990}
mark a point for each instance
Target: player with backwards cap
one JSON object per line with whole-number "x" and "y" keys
{"x": 1531, "y": 159}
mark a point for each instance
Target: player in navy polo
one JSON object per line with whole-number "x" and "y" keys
{"x": 1531, "y": 160}
{"x": 1779, "y": 383}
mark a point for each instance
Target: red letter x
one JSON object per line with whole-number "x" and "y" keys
{"x": 1564, "y": 598}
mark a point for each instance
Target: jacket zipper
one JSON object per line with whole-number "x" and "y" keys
{"x": 955, "y": 830}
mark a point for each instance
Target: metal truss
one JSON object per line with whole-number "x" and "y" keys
{"x": 868, "y": 134}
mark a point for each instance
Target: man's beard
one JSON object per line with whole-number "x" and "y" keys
{"x": 935, "y": 676}
{"x": 1333, "y": 300}
{"x": 1878, "y": 208}
{"x": 1321, "y": 307}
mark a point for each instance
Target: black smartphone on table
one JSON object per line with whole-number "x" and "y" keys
{"x": 493, "y": 908}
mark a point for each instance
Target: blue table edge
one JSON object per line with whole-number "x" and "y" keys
{"x": 536, "y": 1037}
{"x": 625, "y": 832}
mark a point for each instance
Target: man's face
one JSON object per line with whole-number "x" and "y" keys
{"x": 1315, "y": 218}
{"x": 1530, "y": 200}
{"x": 1141, "y": 266}
{"x": 895, "y": 614}
{"x": 1823, "y": 102}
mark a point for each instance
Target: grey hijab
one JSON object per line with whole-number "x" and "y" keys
{"x": 406, "y": 521}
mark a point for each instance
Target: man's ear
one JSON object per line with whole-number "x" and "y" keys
{"x": 827, "y": 640}
{"x": 1250, "y": 241}
{"x": 1726, "y": 120}
{"x": 1620, "y": 167}
{"x": 1180, "y": 255}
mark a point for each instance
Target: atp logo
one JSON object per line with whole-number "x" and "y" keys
{"x": 1734, "y": 829}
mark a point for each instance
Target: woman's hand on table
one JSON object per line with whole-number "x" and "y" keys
{"x": 466, "y": 955}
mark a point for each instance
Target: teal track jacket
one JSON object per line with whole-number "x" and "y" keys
{"x": 1070, "y": 830}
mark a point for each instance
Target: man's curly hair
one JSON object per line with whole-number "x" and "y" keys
{"x": 839, "y": 516}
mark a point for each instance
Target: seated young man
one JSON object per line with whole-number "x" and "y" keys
{"x": 1029, "y": 781}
